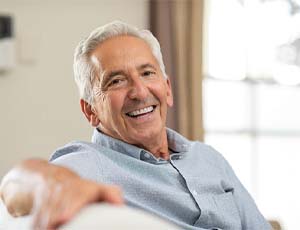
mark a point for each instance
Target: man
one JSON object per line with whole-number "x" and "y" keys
{"x": 125, "y": 94}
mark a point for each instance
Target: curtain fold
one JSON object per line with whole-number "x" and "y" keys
{"x": 178, "y": 26}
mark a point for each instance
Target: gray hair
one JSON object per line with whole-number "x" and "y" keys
{"x": 85, "y": 71}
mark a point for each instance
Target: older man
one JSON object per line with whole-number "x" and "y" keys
{"x": 125, "y": 94}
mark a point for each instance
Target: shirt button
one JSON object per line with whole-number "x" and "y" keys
{"x": 195, "y": 192}
{"x": 176, "y": 157}
{"x": 147, "y": 155}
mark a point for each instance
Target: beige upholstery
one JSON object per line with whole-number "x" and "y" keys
{"x": 96, "y": 216}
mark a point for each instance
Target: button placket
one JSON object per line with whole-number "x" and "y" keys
{"x": 176, "y": 157}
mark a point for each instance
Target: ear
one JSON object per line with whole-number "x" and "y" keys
{"x": 169, "y": 93}
{"x": 89, "y": 113}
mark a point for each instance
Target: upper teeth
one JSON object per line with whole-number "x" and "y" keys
{"x": 141, "y": 111}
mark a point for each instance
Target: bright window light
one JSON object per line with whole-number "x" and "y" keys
{"x": 251, "y": 94}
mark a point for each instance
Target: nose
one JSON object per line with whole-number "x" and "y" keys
{"x": 138, "y": 89}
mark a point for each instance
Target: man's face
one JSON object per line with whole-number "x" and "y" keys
{"x": 132, "y": 96}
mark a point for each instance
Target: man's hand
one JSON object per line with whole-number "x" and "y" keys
{"x": 53, "y": 194}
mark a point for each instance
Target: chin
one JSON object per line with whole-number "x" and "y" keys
{"x": 146, "y": 134}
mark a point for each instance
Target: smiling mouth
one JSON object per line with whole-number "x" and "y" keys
{"x": 141, "y": 112}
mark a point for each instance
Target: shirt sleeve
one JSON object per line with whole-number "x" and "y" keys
{"x": 81, "y": 159}
{"x": 251, "y": 218}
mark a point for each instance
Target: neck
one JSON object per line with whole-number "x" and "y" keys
{"x": 159, "y": 146}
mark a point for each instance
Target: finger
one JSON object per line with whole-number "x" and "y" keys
{"x": 56, "y": 205}
{"x": 113, "y": 194}
{"x": 40, "y": 211}
{"x": 63, "y": 210}
{"x": 98, "y": 192}
{"x": 77, "y": 199}
{"x": 67, "y": 206}
{"x": 48, "y": 206}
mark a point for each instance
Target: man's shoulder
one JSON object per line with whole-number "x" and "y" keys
{"x": 84, "y": 158}
{"x": 74, "y": 148}
{"x": 79, "y": 152}
{"x": 195, "y": 149}
{"x": 205, "y": 149}
{"x": 206, "y": 153}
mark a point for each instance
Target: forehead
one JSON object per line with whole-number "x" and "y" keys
{"x": 123, "y": 51}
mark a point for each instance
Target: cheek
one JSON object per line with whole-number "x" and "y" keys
{"x": 115, "y": 103}
{"x": 160, "y": 92}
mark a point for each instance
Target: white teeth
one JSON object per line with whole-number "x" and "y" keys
{"x": 141, "y": 111}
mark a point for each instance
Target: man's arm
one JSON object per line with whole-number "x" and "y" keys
{"x": 251, "y": 217}
{"x": 53, "y": 194}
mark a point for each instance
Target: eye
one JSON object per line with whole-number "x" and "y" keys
{"x": 115, "y": 82}
{"x": 148, "y": 73}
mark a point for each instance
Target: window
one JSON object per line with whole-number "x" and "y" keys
{"x": 251, "y": 97}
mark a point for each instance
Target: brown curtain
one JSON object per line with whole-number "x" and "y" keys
{"x": 178, "y": 26}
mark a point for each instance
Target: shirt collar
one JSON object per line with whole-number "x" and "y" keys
{"x": 176, "y": 142}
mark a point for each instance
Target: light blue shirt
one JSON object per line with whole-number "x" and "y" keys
{"x": 195, "y": 189}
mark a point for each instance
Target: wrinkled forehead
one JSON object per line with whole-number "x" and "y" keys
{"x": 121, "y": 51}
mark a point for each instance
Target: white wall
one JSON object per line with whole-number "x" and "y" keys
{"x": 39, "y": 106}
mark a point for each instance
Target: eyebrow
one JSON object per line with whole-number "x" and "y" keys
{"x": 109, "y": 75}
{"x": 147, "y": 65}
{"x": 115, "y": 73}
